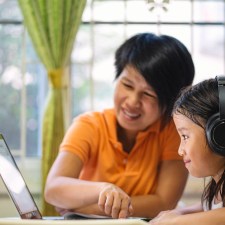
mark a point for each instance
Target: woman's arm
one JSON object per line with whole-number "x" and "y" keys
{"x": 64, "y": 190}
{"x": 171, "y": 183}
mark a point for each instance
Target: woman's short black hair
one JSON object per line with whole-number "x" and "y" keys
{"x": 163, "y": 61}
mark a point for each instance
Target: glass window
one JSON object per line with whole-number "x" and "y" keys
{"x": 105, "y": 25}
{"x": 22, "y": 81}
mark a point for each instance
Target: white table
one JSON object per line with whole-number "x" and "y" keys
{"x": 18, "y": 221}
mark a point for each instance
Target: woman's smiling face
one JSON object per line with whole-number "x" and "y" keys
{"x": 198, "y": 157}
{"x": 135, "y": 101}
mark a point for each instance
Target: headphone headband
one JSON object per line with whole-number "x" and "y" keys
{"x": 221, "y": 91}
{"x": 215, "y": 126}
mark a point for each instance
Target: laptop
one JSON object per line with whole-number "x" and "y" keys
{"x": 21, "y": 195}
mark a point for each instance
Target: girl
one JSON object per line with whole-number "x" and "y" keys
{"x": 200, "y": 121}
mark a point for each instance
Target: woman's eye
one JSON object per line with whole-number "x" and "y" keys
{"x": 127, "y": 85}
{"x": 149, "y": 95}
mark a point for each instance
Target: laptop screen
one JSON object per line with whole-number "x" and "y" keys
{"x": 15, "y": 183}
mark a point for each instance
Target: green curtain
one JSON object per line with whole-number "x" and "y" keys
{"x": 52, "y": 26}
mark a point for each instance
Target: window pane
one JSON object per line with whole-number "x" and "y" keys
{"x": 9, "y": 10}
{"x": 35, "y": 101}
{"x": 208, "y": 54}
{"x": 142, "y": 14}
{"x": 139, "y": 28}
{"x": 108, "y": 10}
{"x": 209, "y": 11}
{"x": 11, "y": 83}
{"x": 175, "y": 11}
{"x": 36, "y": 86}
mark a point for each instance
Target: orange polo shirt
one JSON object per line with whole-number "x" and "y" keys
{"x": 92, "y": 137}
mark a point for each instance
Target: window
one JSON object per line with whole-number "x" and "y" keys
{"x": 199, "y": 24}
{"x": 22, "y": 82}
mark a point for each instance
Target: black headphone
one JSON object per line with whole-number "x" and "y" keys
{"x": 215, "y": 126}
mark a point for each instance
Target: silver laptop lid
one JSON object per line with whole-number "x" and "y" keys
{"x": 16, "y": 185}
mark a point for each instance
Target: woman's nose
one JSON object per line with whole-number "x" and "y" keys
{"x": 134, "y": 100}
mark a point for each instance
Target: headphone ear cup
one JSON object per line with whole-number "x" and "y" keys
{"x": 215, "y": 133}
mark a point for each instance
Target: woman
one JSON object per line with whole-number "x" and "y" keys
{"x": 120, "y": 162}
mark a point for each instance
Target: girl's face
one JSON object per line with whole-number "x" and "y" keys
{"x": 135, "y": 101}
{"x": 198, "y": 157}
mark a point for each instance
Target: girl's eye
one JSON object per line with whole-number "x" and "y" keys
{"x": 184, "y": 137}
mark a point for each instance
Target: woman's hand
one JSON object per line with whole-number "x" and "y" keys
{"x": 115, "y": 202}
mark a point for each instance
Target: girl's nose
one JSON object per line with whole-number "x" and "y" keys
{"x": 181, "y": 150}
